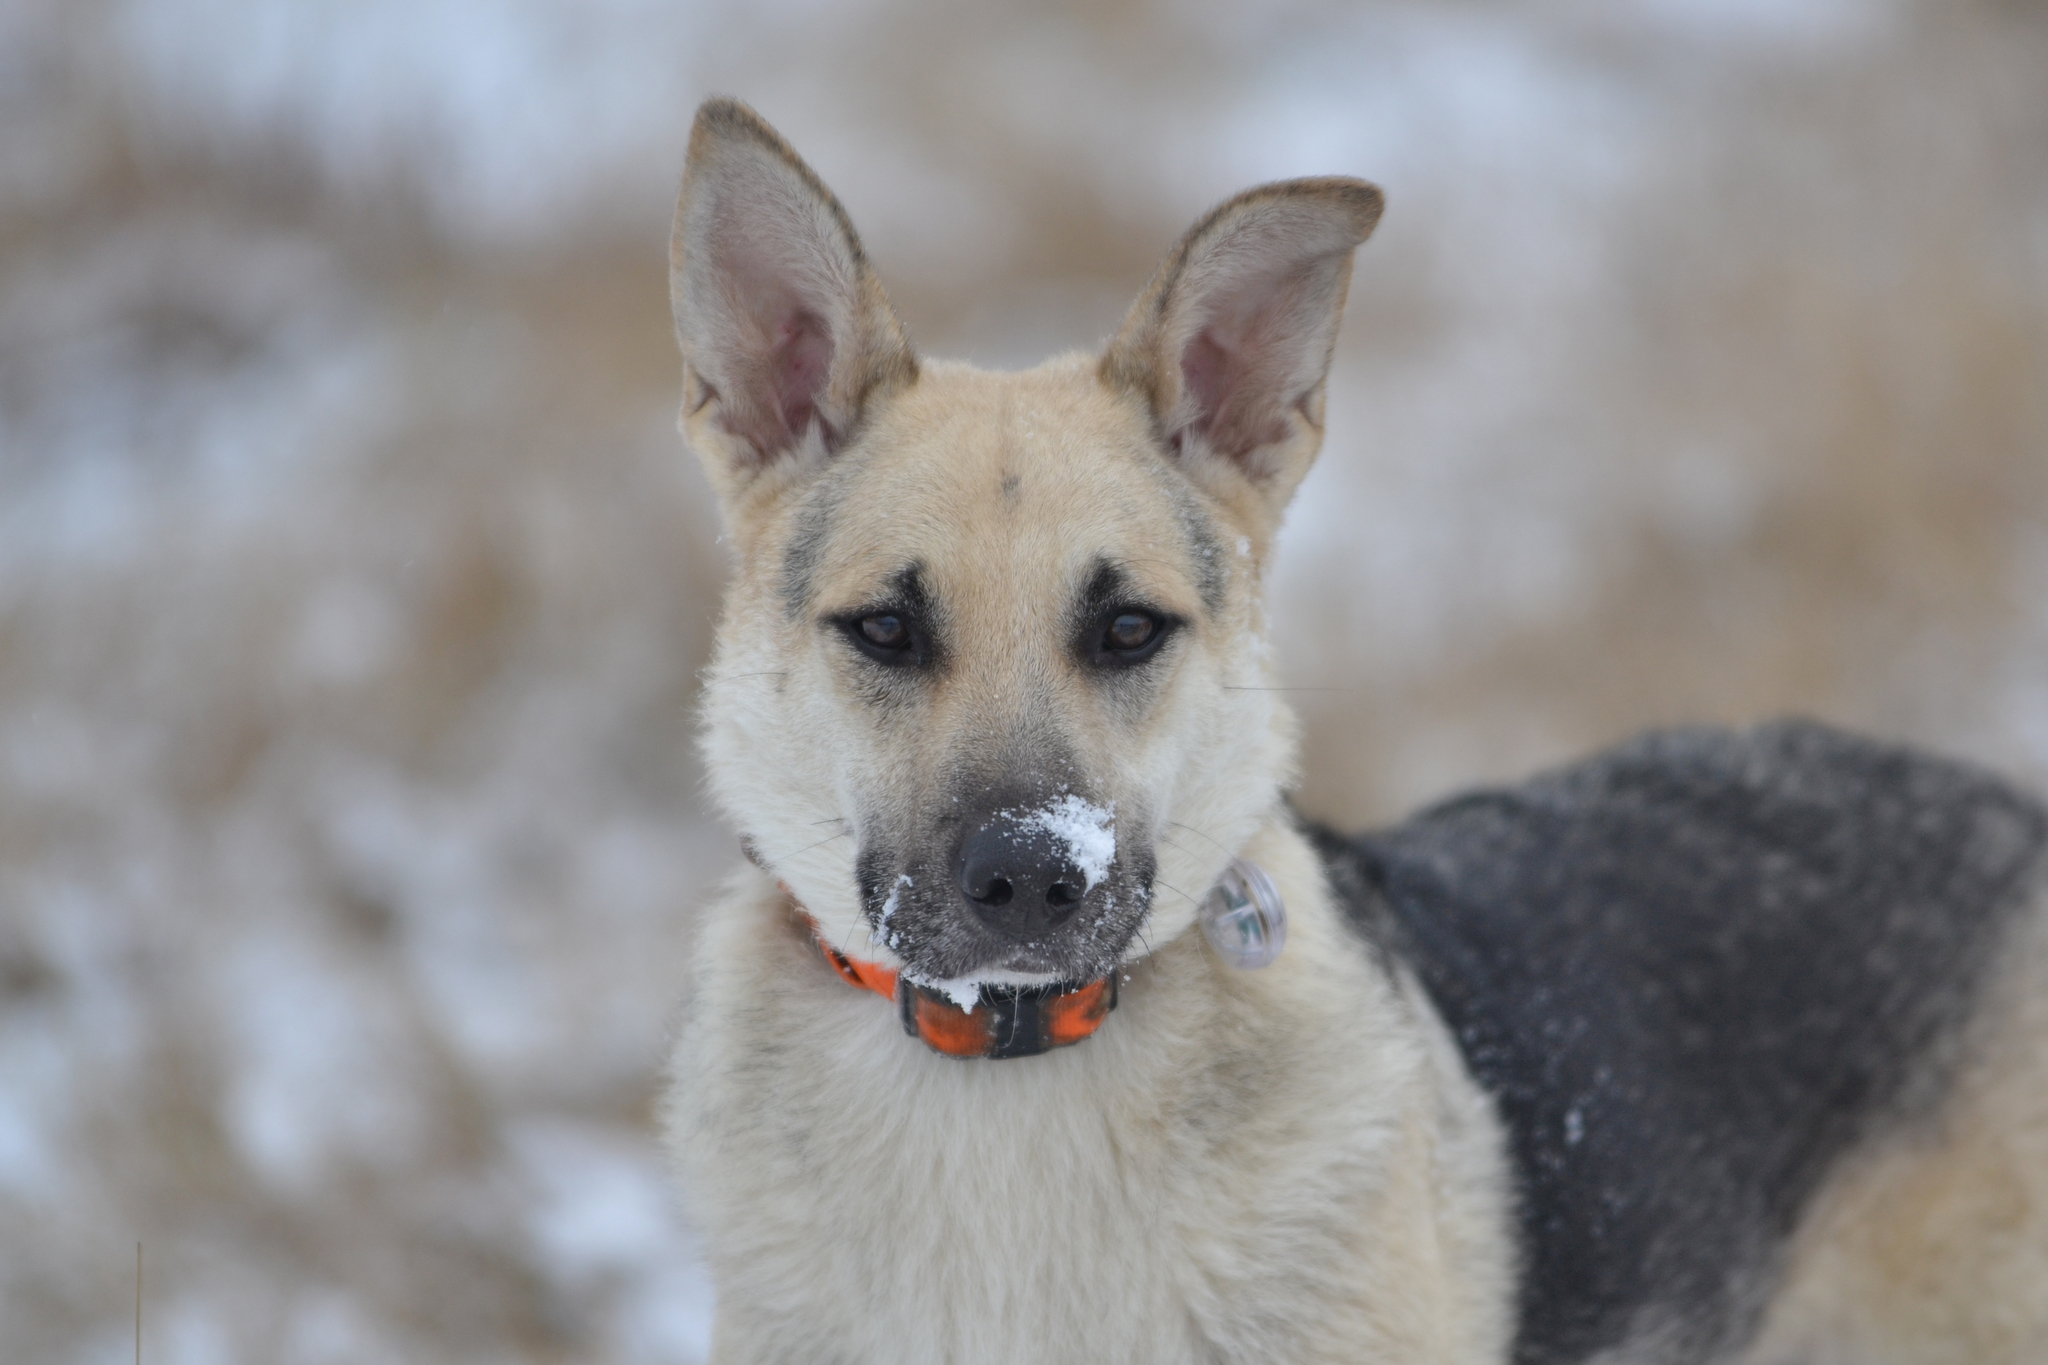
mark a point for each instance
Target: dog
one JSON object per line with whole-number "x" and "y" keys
{"x": 1041, "y": 1028}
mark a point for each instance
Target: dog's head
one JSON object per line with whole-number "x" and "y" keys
{"x": 990, "y": 693}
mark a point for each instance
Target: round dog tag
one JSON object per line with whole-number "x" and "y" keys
{"x": 1243, "y": 916}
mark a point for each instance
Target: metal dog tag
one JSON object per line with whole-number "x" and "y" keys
{"x": 1243, "y": 916}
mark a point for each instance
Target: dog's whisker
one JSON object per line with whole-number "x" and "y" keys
{"x": 781, "y": 858}
{"x": 1200, "y": 835}
{"x": 1228, "y": 687}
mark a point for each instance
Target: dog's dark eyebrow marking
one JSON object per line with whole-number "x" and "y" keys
{"x": 1211, "y": 573}
{"x": 1011, "y": 483}
{"x": 1107, "y": 587}
{"x": 908, "y": 582}
{"x": 903, "y": 594}
{"x": 801, "y": 556}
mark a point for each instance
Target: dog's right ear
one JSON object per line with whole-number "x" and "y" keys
{"x": 786, "y": 334}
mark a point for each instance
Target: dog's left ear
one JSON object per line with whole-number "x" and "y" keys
{"x": 1230, "y": 343}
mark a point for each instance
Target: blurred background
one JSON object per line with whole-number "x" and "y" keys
{"x": 353, "y": 580}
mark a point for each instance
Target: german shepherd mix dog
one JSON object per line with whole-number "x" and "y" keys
{"x": 1715, "y": 1047}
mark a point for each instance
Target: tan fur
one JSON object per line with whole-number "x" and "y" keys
{"x": 1931, "y": 1248}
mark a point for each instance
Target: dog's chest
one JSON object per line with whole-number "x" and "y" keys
{"x": 1140, "y": 1196}
{"x": 917, "y": 1207}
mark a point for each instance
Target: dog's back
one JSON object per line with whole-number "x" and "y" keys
{"x": 1697, "y": 974}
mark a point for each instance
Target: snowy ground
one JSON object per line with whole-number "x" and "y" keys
{"x": 353, "y": 581}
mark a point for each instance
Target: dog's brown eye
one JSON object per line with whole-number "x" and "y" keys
{"x": 1126, "y": 637}
{"x": 891, "y": 638}
{"x": 885, "y": 631}
{"x": 1130, "y": 631}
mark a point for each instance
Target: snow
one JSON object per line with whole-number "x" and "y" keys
{"x": 889, "y": 908}
{"x": 963, "y": 991}
{"x": 1087, "y": 830}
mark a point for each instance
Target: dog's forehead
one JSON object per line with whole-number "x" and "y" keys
{"x": 994, "y": 484}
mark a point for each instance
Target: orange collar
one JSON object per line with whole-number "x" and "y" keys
{"x": 1008, "y": 1021}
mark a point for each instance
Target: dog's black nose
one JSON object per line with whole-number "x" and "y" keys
{"x": 1019, "y": 880}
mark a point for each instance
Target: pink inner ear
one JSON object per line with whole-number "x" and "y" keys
{"x": 778, "y": 351}
{"x": 1239, "y": 368}
{"x": 1206, "y": 370}
{"x": 799, "y": 369}
{"x": 1228, "y": 389}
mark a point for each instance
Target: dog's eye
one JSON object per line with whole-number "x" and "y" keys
{"x": 1130, "y": 636}
{"x": 1131, "y": 630}
{"x": 888, "y": 637}
{"x": 885, "y": 631}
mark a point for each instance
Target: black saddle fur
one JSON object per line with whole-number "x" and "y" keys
{"x": 1693, "y": 971}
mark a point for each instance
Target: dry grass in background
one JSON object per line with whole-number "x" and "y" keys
{"x": 353, "y": 581}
